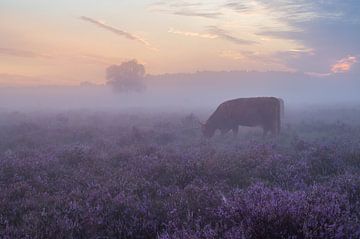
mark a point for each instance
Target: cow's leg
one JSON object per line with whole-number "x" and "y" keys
{"x": 275, "y": 133}
{"x": 224, "y": 131}
{"x": 275, "y": 129}
{"x": 235, "y": 130}
{"x": 265, "y": 131}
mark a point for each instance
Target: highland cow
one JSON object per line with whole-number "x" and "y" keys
{"x": 251, "y": 112}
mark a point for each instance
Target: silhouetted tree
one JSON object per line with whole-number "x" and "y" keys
{"x": 127, "y": 77}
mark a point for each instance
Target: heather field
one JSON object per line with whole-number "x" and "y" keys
{"x": 147, "y": 175}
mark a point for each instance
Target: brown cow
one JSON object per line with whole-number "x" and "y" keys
{"x": 259, "y": 111}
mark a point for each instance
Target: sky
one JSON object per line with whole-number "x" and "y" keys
{"x": 66, "y": 42}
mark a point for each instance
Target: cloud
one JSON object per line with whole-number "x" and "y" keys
{"x": 191, "y": 13}
{"x": 241, "y": 7}
{"x": 343, "y": 65}
{"x": 117, "y": 31}
{"x": 332, "y": 23}
{"x": 317, "y": 74}
{"x": 248, "y": 55}
{"x": 290, "y": 11}
{"x": 192, "y": 34}
{"x": 226, "y": 36}
{"x": 295, "y": 53}
{"x": 290, "y": 34}
{"x": 302, "y": 51}
{"x": 175, "y": 4}
{"x": 185, "y": 8}
{"x": 213, "y": 33}
{"x": 256, "y": 59}
{"x": 22, "y": 53}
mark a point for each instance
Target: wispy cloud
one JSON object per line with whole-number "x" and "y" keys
{"x": 257, "y": 59}
{"x": 185, "y": 8}
{"x": 22, "y": 53}
{"x": 287, "y": 10}
{"x": 244, "y": 6}
{"x": 344, "y": 64}
{"x": 117, "y": 31}
{"x": 317, "y": 74}
{"x": 318, "y": 25}
{"x": 175, "y": 3}
{"x": 213, "y": 33}
{"x": 191, "y": 13}
{"x": 292, "y": 10}
{"x": 295, "y": 53}
{"x": 247, "y": 55}
{"x": 221, "y": 33}
{"x": 192, "y": 34}
{"x": 302, "y": 51}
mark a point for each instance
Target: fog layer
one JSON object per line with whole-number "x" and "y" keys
{"x": 189, "y": 91}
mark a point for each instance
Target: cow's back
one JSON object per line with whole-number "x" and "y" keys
{"x": 258, "y": 111}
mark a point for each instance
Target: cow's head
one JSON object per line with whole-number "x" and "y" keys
{"x": 207, "y": 131}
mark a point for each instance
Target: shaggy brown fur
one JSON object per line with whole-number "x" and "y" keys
{"x": 259, "y": 111}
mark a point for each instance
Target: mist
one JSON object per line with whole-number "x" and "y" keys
{"x": 187, "y": 91}
{"x": 179, "y": 119}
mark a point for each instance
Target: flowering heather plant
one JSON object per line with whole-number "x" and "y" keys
{"x": 89, "y": 175}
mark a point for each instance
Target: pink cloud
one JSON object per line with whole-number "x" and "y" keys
{"x": 317, "y": 74}
{"x": 192, "y": 34}
{"x": 344, "y": 64}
